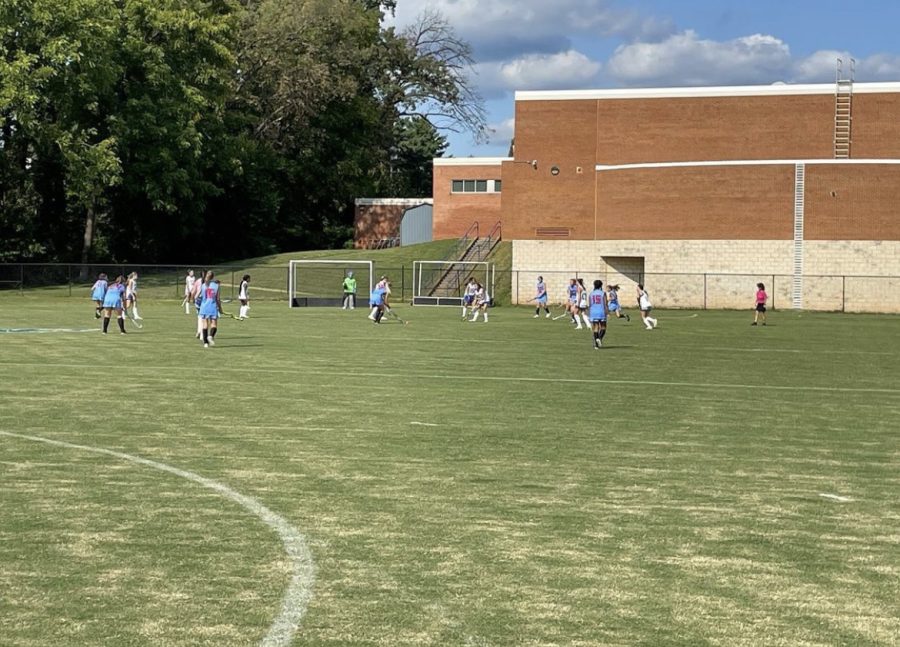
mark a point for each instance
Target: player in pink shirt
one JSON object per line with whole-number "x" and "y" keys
{"x": 761, "y": 299}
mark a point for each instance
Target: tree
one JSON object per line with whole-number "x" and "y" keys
{"x": 429, "y": 76}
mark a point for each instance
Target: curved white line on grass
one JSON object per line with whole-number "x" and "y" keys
{"x": 299, "y": 592}
{"x": 489, "y": 378}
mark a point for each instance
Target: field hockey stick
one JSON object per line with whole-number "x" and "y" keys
{"x": 560, "y": 316}
{"x": 393, "y": 314}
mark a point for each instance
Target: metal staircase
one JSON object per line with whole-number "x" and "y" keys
{"x": 843, "y": 101}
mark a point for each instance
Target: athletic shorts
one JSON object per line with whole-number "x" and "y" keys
{"x": 613, "y": 306}
{"x": 467, "y": 299}
{"x": 212, "y": 316}
{"x": 542, "y": 300}
{"x": 598, "y": 321}
{"x": 760, "y": 307}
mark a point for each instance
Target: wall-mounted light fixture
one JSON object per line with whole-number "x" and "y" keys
{"x": 554, "y": 170}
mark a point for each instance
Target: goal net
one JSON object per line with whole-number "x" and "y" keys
{"x": 442, "y": 283}
{"x": 320, "y": 282}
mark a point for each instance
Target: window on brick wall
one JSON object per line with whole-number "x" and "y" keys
{"x": 475, "y": 186}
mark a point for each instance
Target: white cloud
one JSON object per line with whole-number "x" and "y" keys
{"x": 570, "y": 69}
{"x": 560, "y": 71}
{"x": 501, "y": 133}
{"x": 503, "y": 29}
{"x": 685, "y": 59}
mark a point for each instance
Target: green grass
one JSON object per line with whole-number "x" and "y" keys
{"x": 269, "y": 274}
{"x": 457, "y": 483}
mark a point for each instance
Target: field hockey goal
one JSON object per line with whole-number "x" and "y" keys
{"x": 317, "y": 282}
{"x": 442, "y": 283}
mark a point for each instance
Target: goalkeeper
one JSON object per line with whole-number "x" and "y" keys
{"x": 349, "y": 301}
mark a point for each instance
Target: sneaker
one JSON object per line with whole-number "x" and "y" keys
{"x": 138, "y": 318}
{"x": 753, "y": 324}
{"x": 103, "y": 332}
{"x": 205, "y": 345}
{"x": 627, "y": 317}
{"x": 123, "y": 332}
{"x": 536, "y": 317}
{"x": 547, "y": 315}
{"x": 371, "y": 317}
{"x": 96, "y": 315}
{"x": 212, "y": 342}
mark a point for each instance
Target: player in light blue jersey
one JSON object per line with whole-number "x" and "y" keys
{"x": 98, "y": 292}
{"x": 376, "y": 300}
{"x": 598, "y": 313}
{"x": 541, "y": 298}
{"x": 210, "y": 308}
{"x": 112, "y": 302}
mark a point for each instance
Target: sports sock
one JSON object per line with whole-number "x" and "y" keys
{"x": 134, "y": 312}
{"x": 485, "y": 316}
{"x": 587, "y": 322}
{"x": 602, "y": 333}
{"x": 537, "y": 311}
{"x": 475, "y": 316}
{"x": 121, "y": 321}
{"x": 199, "y": 325}
{"x": 212, "y": 332}
{"x": 105, "y": 324}
{"x": 205, "y": 335}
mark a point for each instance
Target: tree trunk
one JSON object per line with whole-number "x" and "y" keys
{"x": 90, "y": 221}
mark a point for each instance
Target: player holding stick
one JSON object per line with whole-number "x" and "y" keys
{"x": 541, "y": 298}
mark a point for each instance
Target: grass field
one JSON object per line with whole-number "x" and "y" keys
{"x": 448, "y": 483}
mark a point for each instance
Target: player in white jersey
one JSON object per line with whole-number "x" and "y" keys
{"x": 197, "y": 298}
{"x": 469, "y": 293}
{"x": 131, "y": 311}
{"x": 583, "y": 303}
{"x": 188, "y": 290}
{"x": 645, "y": 307}
{"x": 482, "y": 301}
{"x": 244, "y": 297}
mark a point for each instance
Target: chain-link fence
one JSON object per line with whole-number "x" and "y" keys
{"x": 667, "y": 290}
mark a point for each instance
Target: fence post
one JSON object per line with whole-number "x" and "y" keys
{"x": 773, "y": 292}
{"x": 69, "y": 268}
{"x": 232, "y": 285}
{"x": 22, "y": 279}
{"x": 517, "y": 288}
{"x": 402, "y": 283}
{"x": 843, "y": 293}
{"x": 704, "y": 291}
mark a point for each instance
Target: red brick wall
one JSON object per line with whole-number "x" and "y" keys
{"x": 454, "y": 213}
{"x": 697, "y": 203}
{"x": 852, "y": 202}
{"x": 701, "y": 202}
{"x": 555, "y": 133}
{"x": 376, "y": 221}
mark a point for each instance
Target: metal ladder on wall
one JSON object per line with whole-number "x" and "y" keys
{"x": 799, "y": 208}
{"x": 843, "y": 101}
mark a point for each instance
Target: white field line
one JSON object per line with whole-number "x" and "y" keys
{"x": 484, "y": 378}
{"x": 299, "y": 592}
{"x": 46, "y": 330}
{"x": 423, "y": 424}
{"x": 835, "y": 497}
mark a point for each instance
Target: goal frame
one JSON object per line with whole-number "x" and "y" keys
{"x": 295, "y": 302}
{"x": 420, "y": 299}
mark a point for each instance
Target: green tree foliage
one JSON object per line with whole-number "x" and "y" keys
{"x": 160, "y": 130}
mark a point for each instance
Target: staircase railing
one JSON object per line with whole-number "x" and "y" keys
{"x": 463, "y": 247}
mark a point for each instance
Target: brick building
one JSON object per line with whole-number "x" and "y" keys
{"x": 701, "y": 192}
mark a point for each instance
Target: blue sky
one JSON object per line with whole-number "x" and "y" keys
{"x": 581, "y": 44}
